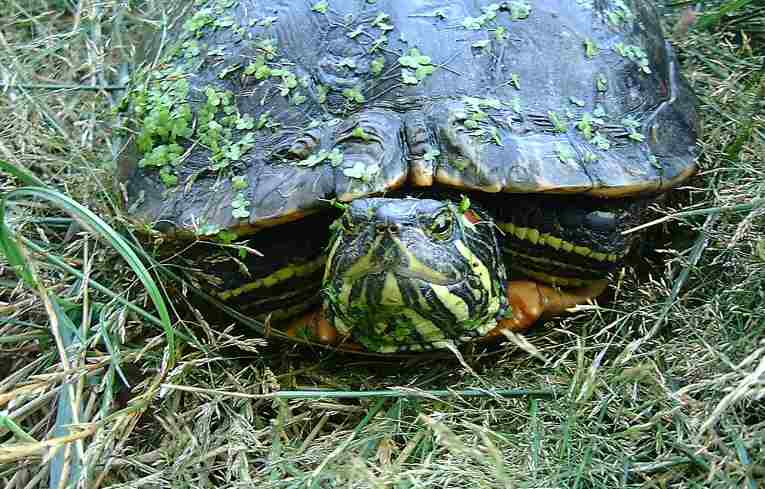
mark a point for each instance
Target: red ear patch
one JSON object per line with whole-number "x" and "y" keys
{"x": 472, "y": 216}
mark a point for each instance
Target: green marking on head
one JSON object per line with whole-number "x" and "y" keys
{"x": 411, "y": 274}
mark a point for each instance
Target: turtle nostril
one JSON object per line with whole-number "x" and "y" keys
{"x": 391, "y": 229}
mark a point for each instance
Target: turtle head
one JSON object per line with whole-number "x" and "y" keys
{"x": 412, "y": 274}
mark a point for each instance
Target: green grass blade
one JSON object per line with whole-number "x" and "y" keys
{"x": 27, "y": 177}
{"x": 99, "y": 227}
{"x": 708, "y": 21}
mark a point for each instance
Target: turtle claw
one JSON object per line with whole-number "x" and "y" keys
{"x": 313, "y": 326}
{"x": 531, "y": 301}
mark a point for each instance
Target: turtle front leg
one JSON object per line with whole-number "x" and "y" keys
{"x": 531, "y": 301}
{"x": 313, "y": 326}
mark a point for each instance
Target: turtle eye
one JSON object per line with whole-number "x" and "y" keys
{"x": 442, "y": 225}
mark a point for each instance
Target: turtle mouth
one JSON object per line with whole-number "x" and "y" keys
{"x": 426, "y": 275}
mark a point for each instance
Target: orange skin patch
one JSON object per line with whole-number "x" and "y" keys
{"x": 314, "y": 326}
{"x": 529, "y": 300}
{"x": 472, "y": 216}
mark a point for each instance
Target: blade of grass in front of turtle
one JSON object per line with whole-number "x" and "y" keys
{"x": 314, "y": 479}
{"x": 29, "y": 179}
{"x": 696, "y": 251}
{"x": 741, "y": 451}
{"x": 584, "y": 465}
{"x": 24, "y": 175}
{"x": 277, "y": 432}
{"x": 15, "y": 429}
{"x": 536, "y": 438}
{"x": 391, "y": 419}
{"x": 100, "y": 228}
{"x": 746, "y": 129}
{"x": 66, "y": 465}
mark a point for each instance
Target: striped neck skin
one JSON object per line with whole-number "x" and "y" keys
{"x": 413, "y": 274}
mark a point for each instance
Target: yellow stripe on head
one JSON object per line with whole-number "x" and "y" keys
{"x": 452, "y": 302}
{"x": 479, "y": 268}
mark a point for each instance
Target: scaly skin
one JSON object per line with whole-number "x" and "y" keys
{"x": 530, "y": 302}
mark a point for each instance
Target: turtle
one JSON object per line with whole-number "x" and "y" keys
{"x": 403, "y": 176}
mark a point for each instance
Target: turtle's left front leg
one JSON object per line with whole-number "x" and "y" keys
{"x": 313, "y": 326}
{"x": 531, "y": 301}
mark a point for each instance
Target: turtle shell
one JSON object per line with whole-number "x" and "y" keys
{"x": 255, "y": 113}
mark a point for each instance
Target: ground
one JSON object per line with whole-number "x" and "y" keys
{"x": 660, "y": 386}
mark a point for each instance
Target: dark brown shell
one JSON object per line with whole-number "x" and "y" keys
{"x": 502, "y": 110}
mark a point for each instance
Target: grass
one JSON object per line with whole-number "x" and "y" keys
{"x": 662, "y": 386}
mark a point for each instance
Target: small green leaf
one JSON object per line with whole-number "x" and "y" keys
{"x": 590, "y": 48}
{"x": 496, "y": 136}
{"x": 226, "y": 236}
{"x": 566, "y": 153}
{"x": 471, "y": 124}
{"x": 239, "y": 206}
{"x": 473, "y": 23}
{"x": 431, "y": 154}
{"x": 464, "y": 204}
{"x": 360, "y": 133}
{"x": 240, "y": 213}
{"x": 602, "y": 83}
{"x": 381, "y": 22}
{"x": 335, "y": 158}
{"x": 378, "y": 64}
{"x": 239, "y": 182}
{"x": 590, "y": 157}
{"x": 320, "y": 7}
{"x": 362, "y": 172}
{"x": 409, "y": 78}
{"x": 515, "y": 81}
{"x": 356, "y": 32}
{"x": 354, "y": 95}
{"x": 519, "y": 9}
{"x": 423, "y": 72}
{"x": 414, "y": 60}
{"x": 559, "y": 124}
{"x": 245, "y": 122}
{"x": 297, "y": 99}
{"x": 169, "y": 179}
{"x": 600, "y": 141}
{"x": 322, "y": 92}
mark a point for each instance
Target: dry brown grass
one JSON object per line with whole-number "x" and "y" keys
{"x": 662, "y": 387}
